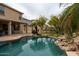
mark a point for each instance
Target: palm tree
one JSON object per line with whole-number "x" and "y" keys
{"x": 55, "y": 23}
{"x": 70, "y": 20}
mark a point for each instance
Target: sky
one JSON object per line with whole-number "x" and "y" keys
{"x": 34, "y": 10}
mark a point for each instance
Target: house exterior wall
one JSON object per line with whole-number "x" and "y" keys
{"x": 23, "y": 28}
{"x": 10, "y": 14}
{"x": 13, "y": 16}
{"x": 29, "y": 29}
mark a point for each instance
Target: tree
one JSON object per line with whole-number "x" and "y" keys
{"x": 70, "y": 20}
{"x": 55, "y": 23}
{"x": 34, "y": 27}
{"x": 41, "y": 22}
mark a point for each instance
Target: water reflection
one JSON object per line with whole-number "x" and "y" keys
{"x": 38, "y": 44}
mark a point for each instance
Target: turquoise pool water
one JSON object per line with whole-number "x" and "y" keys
{"x": 32, "y": 46}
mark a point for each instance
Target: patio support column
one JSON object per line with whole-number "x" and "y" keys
{"x": 21, "y": 31}
{"x": 9, "y": 28}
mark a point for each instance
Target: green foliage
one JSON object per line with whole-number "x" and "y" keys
{"x": 34, "y": 23}
{"x": 70, "y": 18}
{"x": 41, "y": 21}
{"x": 66, "y": 23}
{"x": 55, "y": 23}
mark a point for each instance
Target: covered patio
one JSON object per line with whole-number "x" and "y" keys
{"x": 11, "y": 27}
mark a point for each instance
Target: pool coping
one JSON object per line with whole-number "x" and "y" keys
{"x": 13, "y": 38}
{"x": 4, "y": 42}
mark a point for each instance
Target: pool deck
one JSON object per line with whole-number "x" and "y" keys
{"x": 12, "y": 37}
{"x": 72, "y": 53}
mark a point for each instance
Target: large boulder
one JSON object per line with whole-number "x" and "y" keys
{"x": 72, "y": 47}
{"x": 77, "y": 44}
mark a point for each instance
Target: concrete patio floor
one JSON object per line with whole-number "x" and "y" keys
{"x": 71, "y": 53}
{"x": 12, "y": 37}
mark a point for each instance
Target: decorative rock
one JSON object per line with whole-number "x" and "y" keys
{"x": 72, "y": 47}
{"x": 77, "y": 44}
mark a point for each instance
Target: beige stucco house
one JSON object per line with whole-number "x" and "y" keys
{"x": 11, "y": 21}
{"x": 29, "y": 26}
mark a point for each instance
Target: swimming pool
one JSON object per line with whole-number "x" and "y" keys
{"x": 32, "y": 46}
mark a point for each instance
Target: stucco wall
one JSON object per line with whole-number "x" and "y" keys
{"x": 22, "y": 29}
{"x": 10, "y": 14}
{"x": 29, "y": 29}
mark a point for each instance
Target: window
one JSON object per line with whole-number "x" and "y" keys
{"x": 1, "y": 10}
